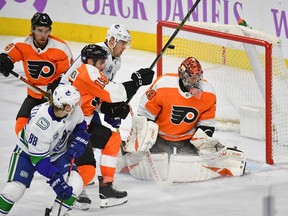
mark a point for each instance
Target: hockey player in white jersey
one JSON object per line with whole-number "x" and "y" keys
{"x": 42, "y": 147}
{"x": 117, "y": 40}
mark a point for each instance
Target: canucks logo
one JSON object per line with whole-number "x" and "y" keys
{"x": 43, "y": 123}
{"x": 61, "y": 143}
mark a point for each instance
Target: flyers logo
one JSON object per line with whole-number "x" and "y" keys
{"x": 186, "y": 114}
{"x": 150, "y": 94}
{"x": 40, "y": 69}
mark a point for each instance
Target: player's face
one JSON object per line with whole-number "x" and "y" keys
{"x": 41, "y": 34}
{"x": 193, "y": 77}
{"x": 119, "y": 48}
{"x": 100, "y": 64}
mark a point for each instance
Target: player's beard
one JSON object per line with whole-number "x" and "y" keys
{"x": 40, "y": 43}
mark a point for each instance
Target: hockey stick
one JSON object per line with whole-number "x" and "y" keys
{"x": 45, "y": 94}
{"x": 67, "y": 180}
{"x": 168, "y": 43}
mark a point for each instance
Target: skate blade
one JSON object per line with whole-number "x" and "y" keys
{"x": 110, "y": 202}
{"x": 81, "y": 206}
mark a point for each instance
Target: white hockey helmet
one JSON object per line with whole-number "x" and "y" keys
{"x": 66, "y": 95}
{"x": 119, "y": 32}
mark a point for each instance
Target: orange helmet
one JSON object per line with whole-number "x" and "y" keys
{"x": 190, "y": 72}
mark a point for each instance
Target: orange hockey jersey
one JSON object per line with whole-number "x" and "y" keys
{"x": 94, "y": 86}
{"x": 176, "y": 112}
{"x": 41, "y": 67}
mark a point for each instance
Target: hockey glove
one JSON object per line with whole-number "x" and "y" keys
{"x": 6, "y": 64}
{"x": 144, "y": 76}
{"x": 115, "y": 110}
{"x": 63, "y": 190}
{"x": 114, "y": 122}
{"x": 78, "y": 144}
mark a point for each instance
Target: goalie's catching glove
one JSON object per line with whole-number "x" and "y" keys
{"x": 6, "y": 64}
{"x": 144, "y": 76}
{"x": 206, "y": 146}
{"x": 61, "y": 188}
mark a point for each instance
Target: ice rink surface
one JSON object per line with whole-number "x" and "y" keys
{"x": 234, "y": 196}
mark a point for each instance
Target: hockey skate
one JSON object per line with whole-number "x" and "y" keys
{"x": 109, "y": 196}
{"x": 82, "y": 202}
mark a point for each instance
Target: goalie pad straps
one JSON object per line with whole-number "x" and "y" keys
{"x": 143, "y": 135}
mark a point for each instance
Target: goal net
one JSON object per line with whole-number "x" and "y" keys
{"x": 246, "y": 68}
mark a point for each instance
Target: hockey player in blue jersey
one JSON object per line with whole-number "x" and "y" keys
{"x": 42, "y": 147}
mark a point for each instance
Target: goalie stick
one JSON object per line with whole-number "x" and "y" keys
{"x": 163, "y": 185}
{"x": 168, "y": 43}
{"x": 45, "y": 94}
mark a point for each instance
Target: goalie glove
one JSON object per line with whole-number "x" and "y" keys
{"x": 143, "y": 135}
{"x": 206, "y": 146}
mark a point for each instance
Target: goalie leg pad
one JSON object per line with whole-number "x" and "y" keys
{"x": 142, "y": 169}
{"x": 183, "y": 168}
{"x": 187, "y": 168}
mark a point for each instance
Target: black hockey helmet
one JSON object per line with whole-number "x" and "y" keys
{"x": 41, "y": 19}
{"x": 93, "y": 51}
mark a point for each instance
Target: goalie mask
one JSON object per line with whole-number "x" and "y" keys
{"x": 41, "y": 19}
{"x": 190, "y": 72}
{"x": 119, "y": 32}
{"x": 66, "y": 95}
{"x": 94, "y": 52}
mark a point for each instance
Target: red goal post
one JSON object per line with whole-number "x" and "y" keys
{"x": 233, "y": 53}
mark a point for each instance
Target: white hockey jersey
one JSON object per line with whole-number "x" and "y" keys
{"x": 47, "y": 135}
{"x": 112, "y": 65}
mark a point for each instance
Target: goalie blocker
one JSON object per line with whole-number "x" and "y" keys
{"x": 214, "y": 159}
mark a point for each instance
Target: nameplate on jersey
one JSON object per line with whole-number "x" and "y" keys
{"x": 73, "y": 76}
{"x": 43, "y": 123}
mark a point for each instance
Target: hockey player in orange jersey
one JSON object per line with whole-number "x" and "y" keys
{"x": 118, "y": 38}
{"x": 44, "y": 59}
{"x": 176, "y": 117}
{"x": 96, "y": 89}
